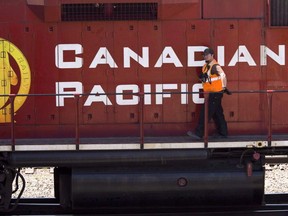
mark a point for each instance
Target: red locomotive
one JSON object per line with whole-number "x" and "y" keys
{"x": 106, "y": 90}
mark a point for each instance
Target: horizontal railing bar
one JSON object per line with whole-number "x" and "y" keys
{"x": 145, "y": 93}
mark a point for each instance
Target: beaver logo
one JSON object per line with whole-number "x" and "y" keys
{"x": 15, "y": 78}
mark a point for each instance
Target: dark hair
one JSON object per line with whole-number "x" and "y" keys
{"x": 208, "y": 51}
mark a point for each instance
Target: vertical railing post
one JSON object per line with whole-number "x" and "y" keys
{"x": 12, "y": 99}
{"x": 269, "y": 100}
{"x": 206, "y": 111}
{"x": 77, "y": 139}
{"x": 141, "y": 119}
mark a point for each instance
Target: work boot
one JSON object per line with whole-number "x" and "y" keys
{"x": 193, "y": 135}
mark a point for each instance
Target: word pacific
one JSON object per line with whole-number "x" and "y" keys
{"x": 129, "y": 94}
{"x": 167, "y": 56}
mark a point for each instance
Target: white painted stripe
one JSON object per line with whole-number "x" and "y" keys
{"x": 190, "y": 145}
{"x": 108, "y": 146}
{"x": 5, "y": 148}
{"x": 283, "y": 143}
{"x": 173, "y": 145}
{"x": 55, "y": 147}
{"x": 243, "y": 144}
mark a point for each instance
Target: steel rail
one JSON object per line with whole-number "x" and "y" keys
{"x": 51, "y": 206}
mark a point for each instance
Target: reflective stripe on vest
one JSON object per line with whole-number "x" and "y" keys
{"x": 213, "y": 83}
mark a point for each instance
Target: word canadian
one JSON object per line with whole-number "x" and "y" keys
{"x": 167, "y": 56}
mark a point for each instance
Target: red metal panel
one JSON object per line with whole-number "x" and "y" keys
{"x": 233, "y": 8}
{"x": 279, "y": 108}
{"x": 69, "y": 33}
{"x": 150, "y": 35}
{"x": 253, "y": 101}
{"x": 276, "y": 73}
{"x": 235, "y": 34}
{"x": 277, "y": 77}
{"x": 180, "y": 10}
{"x": 125, "y": 35}
{"x": 44, "y": 73}
{"x": 14, "y": 10}
{"x": 37, "y": 40}
{"x": 194, "y": 29}
{"x": 101, "y": 35}
{"x": 173, "y": 111}
{"x": 248, "y": 29}
{"x": 225, "y": 34}
{"x": 251, "y": 77}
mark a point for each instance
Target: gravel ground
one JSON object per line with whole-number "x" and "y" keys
{"x": 276, "y": 180}
{"x": 39, "y": 181}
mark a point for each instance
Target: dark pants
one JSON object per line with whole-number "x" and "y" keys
{"x": 215, "y": 111}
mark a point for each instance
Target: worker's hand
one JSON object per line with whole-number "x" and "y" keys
{"x": 226, "y": 90}
{"x": 203, "y": 77}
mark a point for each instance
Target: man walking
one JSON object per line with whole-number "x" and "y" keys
{"x": 214, "y": 81}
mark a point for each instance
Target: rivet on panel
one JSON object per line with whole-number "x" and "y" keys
{"x": 156, "y": 115}
{"x": 28, "y": 117}
{"x": 51, "y": 28}
{"x": 231, "y": 26}
{"x": 155, "y": 27}
{"x": 231, "y": 114}
{"x": 132, "y": 115}
{"x": 131, "y": 27}
{"x": 27, "y": 29}
{"x": 52, "y": 116}
{"x": 88, "y": 28}
{"x": 90, "y": 116}
{"x": 193, "y": 27}
{"x": 193, "y": 115}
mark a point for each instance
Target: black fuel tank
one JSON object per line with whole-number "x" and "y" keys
{"x": 203, "y": 182}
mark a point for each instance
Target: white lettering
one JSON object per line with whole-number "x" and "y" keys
{"x": 221, "y": 55}
{"x": 121, "y": 96}
{"x": 184, "y": 95}
{"x": 103, "y": 56}
{"x": 128, "y": 53}
{"x": 242, "y": 55}
{"x": 126, "y": 94}
{"x": 60, "y": 89}
{"x": 196, "y": 97}
{"x": 168, "y": 56}
{"x": 147, "y": 96}
{"x": 59, "y": 56}
{"x": 97, "y": 95}
{"x": 159, "y": 90}
{"x": 191, "y": 50}
{"x": 265, "y": 51}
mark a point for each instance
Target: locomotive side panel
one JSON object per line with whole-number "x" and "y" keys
{"x": 130, "y": 57}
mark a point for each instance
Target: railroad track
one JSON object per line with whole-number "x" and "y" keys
{"x": 276, "y": 205}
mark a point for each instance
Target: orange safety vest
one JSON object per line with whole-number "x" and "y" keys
{"x": 213, "y": 83}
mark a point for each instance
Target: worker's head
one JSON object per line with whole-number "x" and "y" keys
{"x": 208, "y": 54}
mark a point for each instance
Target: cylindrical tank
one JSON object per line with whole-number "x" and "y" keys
{"x": 205, "y": 183}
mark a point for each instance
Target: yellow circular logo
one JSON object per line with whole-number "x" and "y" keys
{"x": 12, "y": 76}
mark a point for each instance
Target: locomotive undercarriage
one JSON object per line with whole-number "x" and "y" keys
{"x": 144, "y": 178}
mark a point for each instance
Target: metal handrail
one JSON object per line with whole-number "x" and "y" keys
{"x": 141, "y": 111}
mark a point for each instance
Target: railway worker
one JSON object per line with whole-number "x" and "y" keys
{"x": 214, "y": 81}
